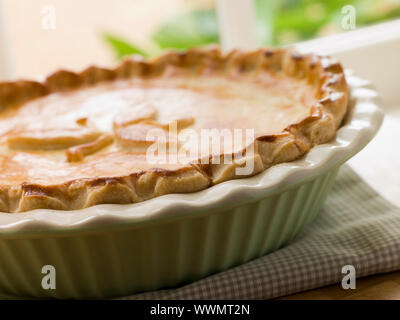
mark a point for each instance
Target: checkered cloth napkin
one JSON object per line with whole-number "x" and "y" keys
{"x": 355, "y": 227}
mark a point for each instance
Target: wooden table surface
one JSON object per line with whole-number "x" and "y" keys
{"x": 76, "y": 42}
{"x": 377, "y": 287}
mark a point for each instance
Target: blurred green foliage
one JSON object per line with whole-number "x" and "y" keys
{"x": 279, "y": 22}
{"x": 191, "y": 29}
{"x": 121, "y": 47}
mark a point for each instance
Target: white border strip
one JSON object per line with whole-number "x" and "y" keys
{"x": 350, "y": 40}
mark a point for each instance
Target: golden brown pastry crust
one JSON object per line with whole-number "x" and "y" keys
{"x": 324, "y": 74}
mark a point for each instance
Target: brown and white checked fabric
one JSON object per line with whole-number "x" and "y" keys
{"x": 355, "y": 227}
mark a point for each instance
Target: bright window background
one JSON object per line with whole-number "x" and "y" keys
{"x": 77, "y": 39}
{"x": 150, "y": 26}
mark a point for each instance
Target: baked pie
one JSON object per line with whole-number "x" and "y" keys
{"x": 80, "y": 139}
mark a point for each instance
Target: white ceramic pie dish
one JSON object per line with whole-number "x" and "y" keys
{"x": 114, "y": 250}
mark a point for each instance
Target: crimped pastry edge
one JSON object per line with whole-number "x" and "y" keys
{"x": 324, "y": 73}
